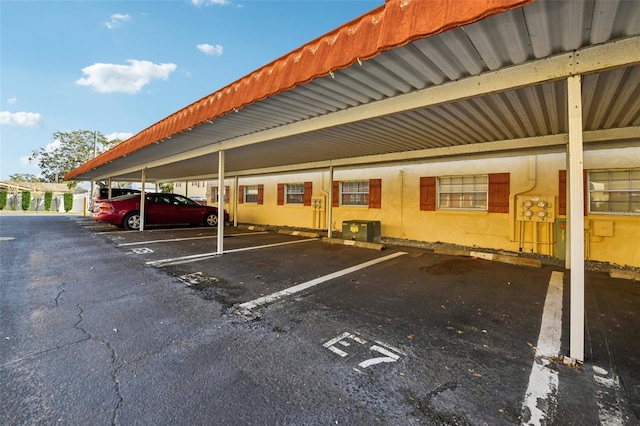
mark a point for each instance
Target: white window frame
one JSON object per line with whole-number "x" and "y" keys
{"x": 354, "y": 193}
{"x": 251, "y": 194}
{"x": 603, "y": 185}
{"x": 294, "y": 194}
{"x": 464, "y": 192}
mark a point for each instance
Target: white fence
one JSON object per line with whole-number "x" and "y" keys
{"x": 14, "y": 202}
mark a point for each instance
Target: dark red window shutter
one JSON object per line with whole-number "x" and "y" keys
{"x": 241, "y": 194}
{"x": 499, "y": 193}
{"x": 428, "y": 193}
{"x": 375, "y": 193}
{"x": 562, "y": 191}
{"x": 308, "y": 192}
{"x": 280, "y": 197}
{"x": 336, "y": 194}
{"x": 260, "y": 194}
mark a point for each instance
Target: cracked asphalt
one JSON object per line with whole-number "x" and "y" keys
{"x": 92, "y": 334}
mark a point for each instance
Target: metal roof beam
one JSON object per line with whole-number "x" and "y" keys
{"x": 620, "y": 53}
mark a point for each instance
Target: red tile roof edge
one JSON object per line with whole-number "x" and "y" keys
{"x": 391, "y": 25}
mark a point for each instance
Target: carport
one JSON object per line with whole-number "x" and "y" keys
{"x": 412, "y": 81}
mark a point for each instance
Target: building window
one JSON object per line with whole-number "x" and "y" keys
{"x": 215, "y": 197}
{"x": 614, "y": 191}
{"x": 463, "y": 192}
{"x": 354, "y": 193}
{"x": 294, "y": 193}
{"x": 251, "y": 194}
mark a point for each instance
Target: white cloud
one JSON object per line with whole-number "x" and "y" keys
{"x": 110, "y": 78}
{"x": 53, "y": 146}
{"x": 199, "y": 3}
{"x": 209, "y": 49}
{"x": 25, "y": 161}
{"x": 123, "y": 136}
{"x": 26, "y": 119}
{"x": 12, "y": 100}
{"x": 117, "y": 20}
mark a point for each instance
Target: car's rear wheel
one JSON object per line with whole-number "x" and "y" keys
{"x": 132, "y": 221}
{"x": 211, "y": 219}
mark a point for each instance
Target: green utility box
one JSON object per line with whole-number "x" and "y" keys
{"x": 361, "y": 230}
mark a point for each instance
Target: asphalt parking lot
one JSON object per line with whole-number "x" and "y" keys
{"x": 338, "y": 334}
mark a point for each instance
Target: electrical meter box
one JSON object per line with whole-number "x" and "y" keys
{"x": 535, "y": 208}
{"x": 361, "y": 230}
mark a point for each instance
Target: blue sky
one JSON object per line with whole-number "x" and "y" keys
{"x": 120, "y": 66}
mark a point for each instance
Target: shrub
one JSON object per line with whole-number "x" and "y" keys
{"x": 48, "y": 198}
{"x": 26, "y": 200}
{"x": 68, "y": 201}
{"x": 3, "y": 200}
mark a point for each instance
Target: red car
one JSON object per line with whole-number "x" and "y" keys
{"x": 160, "y": 209}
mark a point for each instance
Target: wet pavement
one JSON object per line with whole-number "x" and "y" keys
{"x": 152, "y": 327}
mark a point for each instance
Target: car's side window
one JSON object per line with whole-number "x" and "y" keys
{"x": 164, "y": 199}
{"x": 183, "y": 201}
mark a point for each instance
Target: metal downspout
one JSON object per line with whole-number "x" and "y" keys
{"x": 533, "y": 164}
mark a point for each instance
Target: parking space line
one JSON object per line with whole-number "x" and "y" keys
{"x": 203, "y": 256}
{"x": 148, "y": 231}
{"x": 173, "y": 240}
{"x": 248, "y": 306}
{"x": 541, "y": 398}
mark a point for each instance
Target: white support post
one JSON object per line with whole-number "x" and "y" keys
{"x": 235, "y": 201}
{"x": 575, "y": 216}
{"x": 330, "y": 204}
{"x": 220, "y": 247}
{"x": 143, "y": 197}
{"x": 109, "y": 190}
{"x": 90, "y": 198}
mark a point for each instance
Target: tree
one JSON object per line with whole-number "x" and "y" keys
{"x": 26, "y": 177}
{"x": 70, "y": 150}
{"x": 166, "y": 187}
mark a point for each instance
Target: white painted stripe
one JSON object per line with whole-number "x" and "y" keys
{"x": 203, "y": 256}
{"x": 147, "y": 231}
{"x": 172, "y": 240}
{"x": 390, "y": 357}
{"x": 337, "y": 339}
{"x": 393, "y": 348}
{"x": 337, "y": 351}
{"x": 607, "y": 391}
{"x": 551, "y": 327}
{"x": 541, "y": 398}
{"x": 304, "y": 286}
{"x": 358, "y": 339}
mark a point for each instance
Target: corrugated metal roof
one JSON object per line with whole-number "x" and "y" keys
{"x": 399, "y": 99}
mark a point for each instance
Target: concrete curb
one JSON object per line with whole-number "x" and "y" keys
{"x": 300, "y": 233}
{"x": 361, "y": 244}
{"x": 253, "y": 228}
{"x": 512, "y": 260}
{"x": 625, "y": 275}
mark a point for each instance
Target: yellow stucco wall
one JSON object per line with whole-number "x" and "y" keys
{"x": 401, "y": 217}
